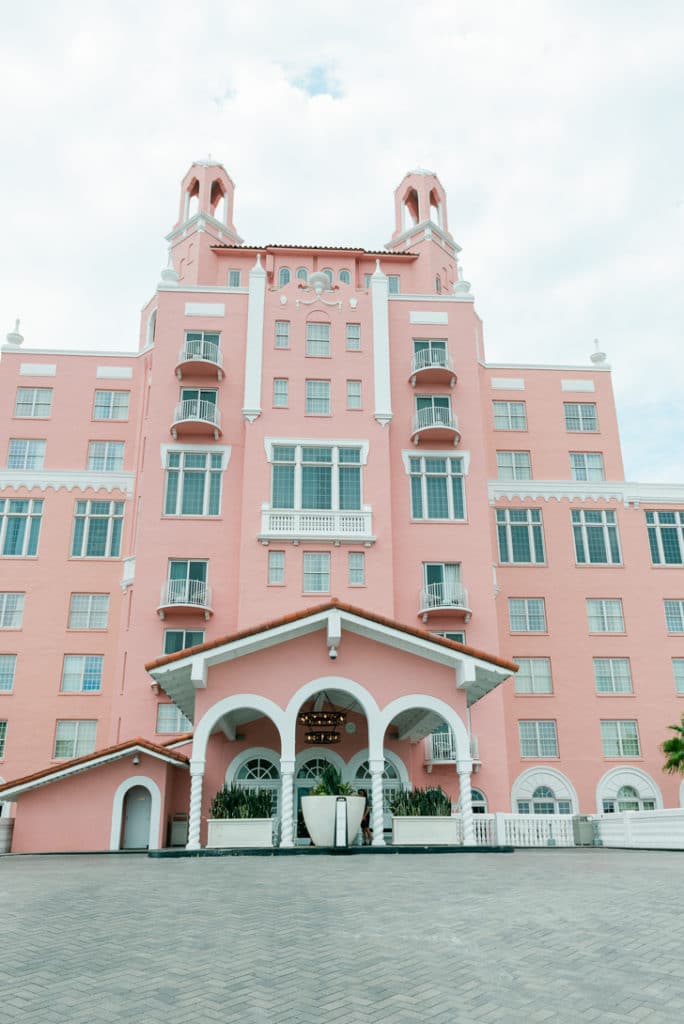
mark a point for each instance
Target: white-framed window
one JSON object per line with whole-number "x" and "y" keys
{"x": 74, "y": 738}
{"x": 8, "y": 666}
{"x": 281, "y": 388}
{"x": 3, "y": 736}
{"x": 111, "y": 405}
{"x": 437, "y": 488}
{"x": 328, "y": 273}
{"x": 105, "y": 456}
{"x": 33, "y": 403}
{"x": 284, "y": 276}
{"x": 202, "y": 345}
{"x": 353, "y": 337}
{"x": 478, "y": 801}
{"x": 538, "y": 738}
{"x": 586, "y": 466}
{"x": 276, "y": 568}
{"x": 233, "y": 278}
{"x": 434, "y": 410}
{"x": 612, "y": 675}
{"x": 544, "y": 802}
{"x": 176, "y": 640}
{"x": 82, "y": 673}
{"x": 533, "y": 675}
{"x": 438, "y": 284}
{"x": 457, "y": 635}
{"x": 429, "y": 352}
{"x": 20, "y": 520}
{"x": 11, "y": 610}
{"x": 317, "y": 398}
{"x": 527, "y": 614}
{"x": 674, "y": 615}
{"x": 353, "y": 394}
{"x": 520, "y": 536}
{"x": 580, "y": 417}
{"x": 393, "y": 284}
{"x": 282, "y": 334}
{"x": 25, "y": 453}
{"x": 513, "y": 466}
{"x": 356, "y": 567}
{"x": 193, "y": 483}
{"x": 317, "y": 339}
{"x": 302, "y": 274}
{"x": 259, "y": 773}
{"x": 678, "y": 673}
{"x": 97, "y": 529}
{"x": 316, "y": 477}
{"x": 345, "y": 277}
{"x": 170, "y": 719}
{"x": 510, "y": 416}
{"x": 628, "y": 799}
{"x": 620, "y": 738}
{"x": 596, "y": 538}
{"x": 316, "y": 572}
{"x": 442, "y": 585}
{"x": 187, "y": 581}
{"x": 605, "y": 615}
{"x": 88, "y": 611}
{"x": 665, "y": 537}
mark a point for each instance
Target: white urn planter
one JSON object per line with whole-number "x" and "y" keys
{"x": 239, "y": 832}
{"x": 414, "y": 830}
{"x": 319, "y": 817}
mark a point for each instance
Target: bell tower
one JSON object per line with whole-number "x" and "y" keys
{"x": 418, "y": 201}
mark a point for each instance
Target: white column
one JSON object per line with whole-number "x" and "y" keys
{"x": 196, "y": 780}
{"x": 377, "y": 768}
{"x": 381, "y": 353}
{"x": 464, "y": 769}
{"x": 287, "y": 768}
{"x": 255, "y": 341}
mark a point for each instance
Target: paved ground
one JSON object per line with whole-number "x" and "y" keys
{"x": 539, "y": 936}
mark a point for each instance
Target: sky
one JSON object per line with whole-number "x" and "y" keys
{"x": 557, "y": 130}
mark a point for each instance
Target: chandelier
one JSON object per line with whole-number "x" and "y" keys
{"x": 323, "y": 737}
{"x": 322, "y": 725}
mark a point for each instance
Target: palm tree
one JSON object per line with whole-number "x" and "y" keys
{"x": 674, "y": 748}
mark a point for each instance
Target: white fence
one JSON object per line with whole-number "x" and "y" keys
{"x": 644, "y": 830}
{"x": 523, "y": 830}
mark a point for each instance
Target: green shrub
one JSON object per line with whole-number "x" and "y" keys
{"x": 331, "y": 784}
{"x": 421, "y": 803}
{"x": 236, "y": 802}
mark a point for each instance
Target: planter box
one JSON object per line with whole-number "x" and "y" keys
{"x": 319, "y": 817}
{"x": 424, "y": 831}
{"x": 229, "y": 832}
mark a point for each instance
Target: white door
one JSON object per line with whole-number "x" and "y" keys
{"x": 137, "y": 808}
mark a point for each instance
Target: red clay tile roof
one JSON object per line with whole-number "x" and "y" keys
{"x": 422, "y": 634}
{"x": 316, "y": 248}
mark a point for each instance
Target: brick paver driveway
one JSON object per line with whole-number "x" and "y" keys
{"x": 579, "y": 935}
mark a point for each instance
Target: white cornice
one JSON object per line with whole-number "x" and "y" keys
{"x": 629, "y": 493}
{"x": 545, "y": 366}
{"x": 222, "y": 288}
{"x": 99, "y": 354}
{"x": 424, "y": 226}
{"x": 65, "y": 479}
{"x": 405, "y": 297}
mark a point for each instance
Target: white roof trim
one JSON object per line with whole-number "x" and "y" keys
{"x": 629, "y": 493}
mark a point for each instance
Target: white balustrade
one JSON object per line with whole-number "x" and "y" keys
{"x": 434, "y": 416}
{"x": 538, "y": 830}
{"x": 645, "y": 830}
{"x": 317, "y": 523}
{"x": 484, "y": 830}
{"x": 431, "y": 359}
{"x": 190, "y": 592}
{"x": 443, "y": 595}
{"x": 203, "y": 351}
{"x": 194, "y": 409}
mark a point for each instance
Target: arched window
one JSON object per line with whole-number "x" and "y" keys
{"x": 328, "y": 273}
{"x": 391, "y": 784}
{"x": 217, "y": 202}
{"x": 284, "y": 276}
{"x": 438, "y": 284}
{"x": 302, "y": 274}
{"x": 628, "y": 799}
{"x": 479, "y": 801}
{"x": 410, "y": 209}
{"x": 260, "y": 773}
{"x": 435, "y": 209}
{"x": 192, "y": 199}
{"x": 544, "y": 802}
{"x": 311, "y": 770}
{"x": 345, "y": 277}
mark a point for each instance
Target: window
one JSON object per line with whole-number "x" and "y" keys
{"x": 276, "y": 568}
{"x": 596, "y": 537}
{"x": 11, "y": 610}
{"x": 393, "y": 284}
{"x": 628, "y": 799}
{"x": 510, "y": 416}
{"x": 605, "y": 615}
{"x": 442, "y": 585}
{"x": 171, "y": 719}
{"x": 665, "y": 537}
{"x": 533, "y": 676}
{"x": 677, "y": 671}
{"x": 202, "y": 345}
{"x": 25, "y": 454}
{"x": 449, "y": 634}
{"x": 318, "y": 398}
{"x": 527, "y": 614}
{"x": 20, "y": 520}
{"x": 437, "y": 490}
{"x": 8, "y": 664}
{"x": 544, "y": 802}
{"x": 88, "y": 611}
{"x": 180, "y": 639}
{"x": 586, "y": 466}
{"x": 345, "y": 277}
{"x": 280, "y": 392}
{"x": 353, "y": 337}
{"x": 612, "y": 675}
{"x": 74, "y": 738}
{"x": 433, "y": 411}
{"x": 429, "y": 352}
{"x": 33, "y": 403}
{"x": 97, "y": 529}
{"x": 284, "y": 277}
{"x": 316, "y": 572}
{"x": 620, "y": 739}
{"x": 328, "y": 273}
{"x": 282, "y": 334}
{"x": 233, "y": 278}
{"x": 3, "y": 737}
{"x": 520, "y": 536}
{"x": 318, "y": 339}
{"x": 260, "y": 773}
{"x": 438, "y": 284}
{"x": 302, "y": 274}
{"x": 105, "y": 455}
{"x": 513, "y": 466}
{"x": 353, "y": 394}
{"x": 356, "y": 564}
{"x": 82, "y": 673}
{"x": 538, "y": 739}
{"x": 478, "y": 801}
{"x": 674, "y": 616}
{"x": 111, "y": 405}
{"x": 187, "y": 582}
{"x": 193, "y": 483}
{"x": 316, "y": 477}
{"x": 580, "y": 416}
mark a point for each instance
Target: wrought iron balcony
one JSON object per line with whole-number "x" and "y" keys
{"x": 432, "y": 366}
{"x": 435, "y": 423}
{"x": 195, "y": 417}
{"x": 348, "y": 526}
{"x": 441, "y": 598}
{"x": 200, "y": 358}
{"x": 189, "y": 596}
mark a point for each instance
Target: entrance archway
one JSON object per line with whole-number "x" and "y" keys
{"x": 151, "y": 842}
{"x": 137, "y": 810}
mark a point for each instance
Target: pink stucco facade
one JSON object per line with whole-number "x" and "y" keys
{"x": 301, "y": 424}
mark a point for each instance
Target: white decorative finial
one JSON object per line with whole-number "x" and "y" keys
{"x": 598, "y": 356}
{"x": 169, "y": 276}
{"x": 461, "y": 286}
{"x": 14, "y": 337}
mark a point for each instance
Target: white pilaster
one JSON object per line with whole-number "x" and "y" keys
{"x": 381, "y": 355}
{"x": 464, "y": 769}
{"x": 377, "y": 768}
{"x": 287, "y": 768}
{"x": 255, "y": 341}
{"x": 196, "y": 780}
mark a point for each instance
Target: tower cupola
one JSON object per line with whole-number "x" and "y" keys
{"x": 208, "y": 192}
{"x": 420, "y": 200}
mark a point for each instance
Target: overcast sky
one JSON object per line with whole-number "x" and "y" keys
{"x": 556, "y": 129}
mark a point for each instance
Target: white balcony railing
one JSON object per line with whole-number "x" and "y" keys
{"x": 431, "y": 359}
{"x": 195, "y": 593}
{"x": 441, "y": 747}
{"x": 327, "y": 524}
{"x": 202, "y": 351}
{"x": 194, "y": 410}
{"x": 443, "y": 595}
{"x": 435, "y": 417}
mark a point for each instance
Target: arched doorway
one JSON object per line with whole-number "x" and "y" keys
{"x": 310, "y": 767}
{"x": 136, "y": 819}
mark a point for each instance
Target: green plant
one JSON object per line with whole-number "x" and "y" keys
{"x": 236, "y": 802}
{"x": 421, "y": 803}
{"x": 331, "y": 784}
{"x": 674, "y": 748}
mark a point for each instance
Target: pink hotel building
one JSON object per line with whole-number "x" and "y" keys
{"x": 308, "y": 489}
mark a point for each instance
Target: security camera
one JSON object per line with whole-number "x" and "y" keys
{"x": 332, "y": 653}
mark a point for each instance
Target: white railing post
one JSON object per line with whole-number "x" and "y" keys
{"x": 286, "y": 803}
{"x": 195, "y": 818}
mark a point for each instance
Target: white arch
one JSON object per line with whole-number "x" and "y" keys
{"x": 154, "y": 842}
{"x": 360, "y": 694}
{"x": 223, "y": 707}
{"x": 325, "y": 753}
{"x": 423, "y": 700}
{"x": 266, "y": 753}
{"x": 543, "y": 775}
{"x": 394, "y": 759}
{"x": 626, "y": 775}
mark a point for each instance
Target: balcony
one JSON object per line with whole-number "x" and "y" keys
{"x": 440, "y": 748}
{"x": 435, "y": 423}
{"x": 200, "y": 358}
{"x": 432, "y": 366}
{"x": 194, "y": 418}
{"x": 185, "y": 597}
{"x": 444, "y": 598}
{"x": 337, "y": 527}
